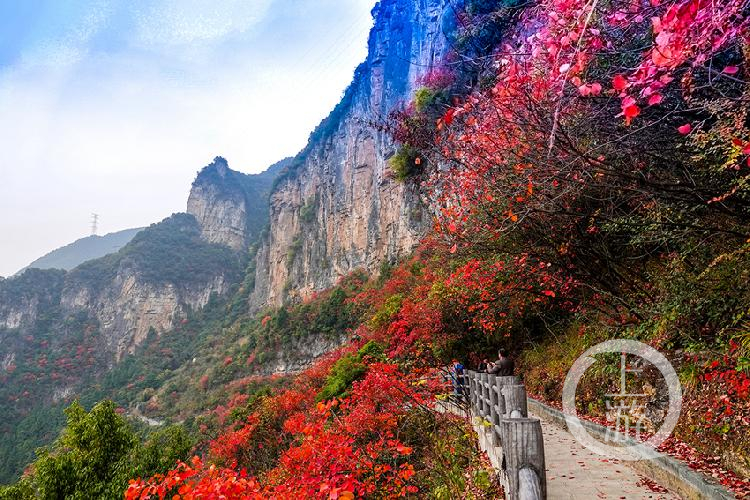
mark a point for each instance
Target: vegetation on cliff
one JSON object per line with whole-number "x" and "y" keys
{"x": 597, "y": 189}
{"x": 171, "y": 251}
{"x": 591, "y": 183}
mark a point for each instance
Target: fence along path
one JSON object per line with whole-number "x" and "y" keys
{"x": 537, "y": 459}
{"x": 501, "y": 404}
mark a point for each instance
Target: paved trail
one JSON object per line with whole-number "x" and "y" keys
{"x": 574, "y": 472}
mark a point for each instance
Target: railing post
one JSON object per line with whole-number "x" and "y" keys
{"x": 474, "y": 387}
{"x": 478, "y": 395}
{"x": 515, "y": 399}
{"x": 485, "y": 395}
{"x": 523, "y": 458}
{"x": 502, "y": 382}
{"x": 496, "y": 407}
{"x": 465, "y": 388}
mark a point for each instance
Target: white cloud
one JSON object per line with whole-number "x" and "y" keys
{"x": 123, "y": 133}
{"x": 180, "y": 22}
{"x": 69, "y": 47}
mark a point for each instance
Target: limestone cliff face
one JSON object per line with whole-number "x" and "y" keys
{"x": 152, "y": 283}
{"x": 23, "y": 298}
{"x": 338, "y": 208}
{"x": 231, "y": 207}
{"x": 129, "y": 307}
{"x": 219, "y": 205}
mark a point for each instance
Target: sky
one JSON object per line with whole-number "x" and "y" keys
{"x": 112, "y": 106}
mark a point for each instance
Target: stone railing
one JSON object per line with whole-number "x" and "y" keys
{"x": 512, "y": 440}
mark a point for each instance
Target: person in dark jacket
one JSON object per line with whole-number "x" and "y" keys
{"x": 503, "y": 367}
{"x": 457, "y": 379}
{"x": 483, "y": 365}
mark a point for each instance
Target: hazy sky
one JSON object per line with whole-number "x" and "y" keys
{"x": 112, "y": 106}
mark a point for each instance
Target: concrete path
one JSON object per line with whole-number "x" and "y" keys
{"x": 574, "y": 472}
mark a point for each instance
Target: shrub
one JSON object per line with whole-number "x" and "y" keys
{"x": 343, "y": 373}
{"x": 405, "y": 163}
{"x": 390, "y": 307}
{"x": 348, "y": 369}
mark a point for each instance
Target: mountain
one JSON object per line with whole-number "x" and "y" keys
{"x": 337, "y": 207}
{"x": 179, "y": 301}
{"x": 293, "y": 320}
{"x": 60, "y": 330}
{"x": 88, "y": 248}
{"x": 231, "y": 207}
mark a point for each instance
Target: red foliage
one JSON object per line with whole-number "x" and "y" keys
{"x": 504, "y": 173}
{"x": 499, "y": 291}
{"x": 343, "y": 448}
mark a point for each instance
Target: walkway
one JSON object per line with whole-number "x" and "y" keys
{"x": 498, "y": 405}
{"x": 574, "y": 472}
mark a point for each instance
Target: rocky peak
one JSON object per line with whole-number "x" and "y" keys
{"x": 338, "y": 208}
{"x": 217, "y": 169}
{"x": 231, "y": 207}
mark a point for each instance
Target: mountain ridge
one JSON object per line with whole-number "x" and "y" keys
{"x": 83, "y": 249}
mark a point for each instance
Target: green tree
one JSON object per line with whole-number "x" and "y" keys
{"x": 92, "y": 457}
{"x": 96, "y": 455}
{"x": 162, "y": 450}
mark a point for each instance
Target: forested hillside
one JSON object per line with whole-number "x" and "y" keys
{"x": 78, "y": 252}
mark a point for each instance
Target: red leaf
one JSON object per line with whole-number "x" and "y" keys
{"x": 685, "y": 129}
{"x": 654, "y": 99}
{"x": 454, "y": 248}
{"x": 661, "y": 56}
{"x": 619, "y": 83}
{"x": 404, "y": 450}
{"x": 731, "y": 70}
{"x": 448, "y": 116}
{"x": 630, "y": 111}
{"x": 549, "y": 293}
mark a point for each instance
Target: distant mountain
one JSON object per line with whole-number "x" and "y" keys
{"x": 85, "y": 249}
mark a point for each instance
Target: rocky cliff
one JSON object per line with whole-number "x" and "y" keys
{"x": 63, "y": 332}
{"x": 23, "y": 297}
{"x": 151, "y": 283}
{"x": 337, "y": 207}
{"x": 145, "y": 286}
{"x": 165, "y": 272}
{"x": 231, "y": 207}
{"x": 219, "y": 206}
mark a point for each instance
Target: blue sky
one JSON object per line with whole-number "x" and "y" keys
{"x": 112, "y": 106}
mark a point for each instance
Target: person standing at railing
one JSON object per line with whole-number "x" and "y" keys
{"x": 503, "y": 367}
{"x": 457, "y": 379}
